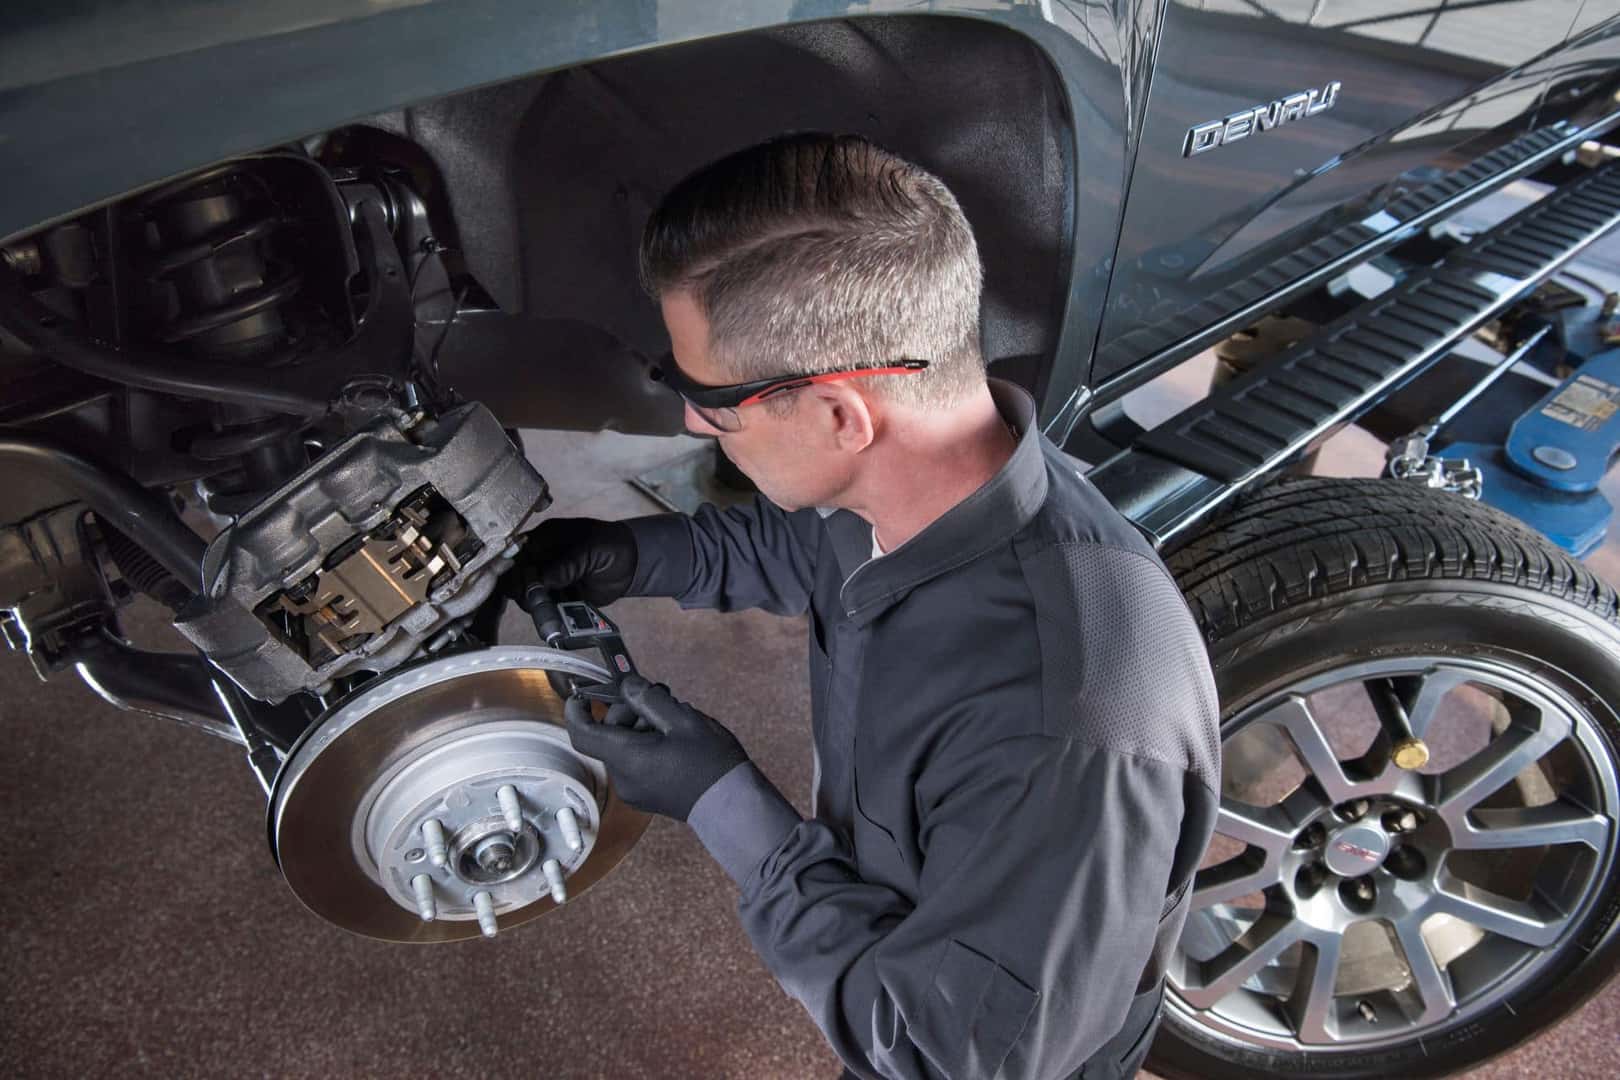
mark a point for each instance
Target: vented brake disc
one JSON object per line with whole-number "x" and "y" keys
{"x": 445, "y": 801}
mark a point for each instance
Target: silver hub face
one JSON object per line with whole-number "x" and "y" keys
{"x": 1356, "y": 849}
{"x": 445, "y": 801}
{"x": 454, "y": 781}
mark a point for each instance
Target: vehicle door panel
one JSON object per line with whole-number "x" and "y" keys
{"x": 1425, "y": 87}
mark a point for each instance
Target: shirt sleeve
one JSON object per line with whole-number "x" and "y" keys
{"x": 754, "y": 556}
{"x": 1046, "y": 863}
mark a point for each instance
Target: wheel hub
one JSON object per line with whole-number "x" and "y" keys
{"x": 446, "y": 801}
{"x": 457, "y": 781}
{"x": 1356, "y": 849}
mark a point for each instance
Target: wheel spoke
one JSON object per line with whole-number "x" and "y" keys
{"x": 1532, "y": 826}
{"x": 1433, "y": 686}
{"x": 1527, "y": 922}
{"x": 1294, "y": 716}
{"x": 1267, "y": 831}
{"x": 1219, "y": 976}
{"x": 1264, "y": 827}
{"x": 1311, "y": 1007}
{"x": 1238, "y": 876}
{"x": 1507, "y": 756}
{"x": 1431, "y": 985}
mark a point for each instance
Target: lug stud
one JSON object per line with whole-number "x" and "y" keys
{"x": 1354, "y": 810}
{"x": 554, "y": 878}
{"x": 422, "y": 886}
{"x": 1314, "y": 835}
{"x": 511, "y": 809}
{"x": 433, "y": 834}
{"x": 569, "y": 824}
{"x": 1406, "y": 862}
{"x": 1309, "y": 879}
{"x": 485, "y": 907}
{"x": 1358, "y": 894}
{"x": 1400, "y": 821}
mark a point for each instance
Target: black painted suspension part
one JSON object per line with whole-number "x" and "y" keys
{"x": 145, "y": 517}
{"x": 144, "y": 368}
{"x": 226, "y": 297}
{"x": 213, "y": 232}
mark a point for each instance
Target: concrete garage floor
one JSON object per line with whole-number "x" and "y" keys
{"x": 147, "y": 932}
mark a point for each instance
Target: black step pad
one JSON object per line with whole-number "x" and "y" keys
{"x": 1251, "y": 423}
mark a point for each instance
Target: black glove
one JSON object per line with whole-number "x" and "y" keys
{"x": 597, "y": 559}
{"x": 661, "y": 754}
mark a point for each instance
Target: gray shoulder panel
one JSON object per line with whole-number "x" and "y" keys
{"x": 1124, "y": 666}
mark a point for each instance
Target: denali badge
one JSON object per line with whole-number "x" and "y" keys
{"x": 1240, "y": 125}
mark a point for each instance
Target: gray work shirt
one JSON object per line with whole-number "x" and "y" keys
{"x": 1016, "y": 736}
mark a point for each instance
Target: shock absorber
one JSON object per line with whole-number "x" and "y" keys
{"x": 223, "y": 295}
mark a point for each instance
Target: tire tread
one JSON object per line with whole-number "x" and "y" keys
{"x": 1299, "y": 540}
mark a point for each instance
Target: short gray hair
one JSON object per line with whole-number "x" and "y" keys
{"x": 814, "y": 252}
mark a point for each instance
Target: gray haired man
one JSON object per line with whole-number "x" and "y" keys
{"x": 1014, "y": 718}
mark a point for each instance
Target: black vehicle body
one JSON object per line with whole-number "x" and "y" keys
{"x": 466, "y": 184}
{"x": 1061, "y": 126}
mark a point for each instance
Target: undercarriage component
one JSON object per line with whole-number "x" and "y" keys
{"x": 376, "y": 578}
{"x": 339, "y": 550}
{"x": 185, "y": 688}
{"x": 223, "y": 313}
{"x": 49, "y": 589}
{"x": 220, "y": 289}
{"x": 175, "y": 686}
{"x": 445, "y": 801}
{"x": 144, "y": 516}
{"x": 212, "y": 239}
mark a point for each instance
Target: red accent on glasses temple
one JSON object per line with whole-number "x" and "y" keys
{"x": 831, "y": 376}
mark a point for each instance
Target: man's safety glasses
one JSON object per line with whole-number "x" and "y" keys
{"x": 718, "y": 405}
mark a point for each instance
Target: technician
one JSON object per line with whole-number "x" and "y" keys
{"x": 1014, "y": 720}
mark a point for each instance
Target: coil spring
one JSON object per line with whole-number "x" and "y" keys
{"x": 209, "y": 231}
{"x": 210, "y": 235}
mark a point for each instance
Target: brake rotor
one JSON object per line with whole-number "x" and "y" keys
{"x": 445, "y": 801}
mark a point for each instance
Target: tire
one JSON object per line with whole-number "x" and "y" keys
{"x": 1351, "y": 590}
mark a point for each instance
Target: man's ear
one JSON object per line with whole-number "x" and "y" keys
{"x": 851, "y": 420}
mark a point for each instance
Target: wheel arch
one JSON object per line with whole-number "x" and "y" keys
{"x": 1022, "y": 111}
{"x": 551, "y": 178}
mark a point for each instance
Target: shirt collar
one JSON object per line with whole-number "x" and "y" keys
{"x": 990, "y": 516}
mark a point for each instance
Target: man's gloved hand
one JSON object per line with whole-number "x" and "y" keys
{"x": 661, "y": 754}
{"x": 595, "y": 558}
